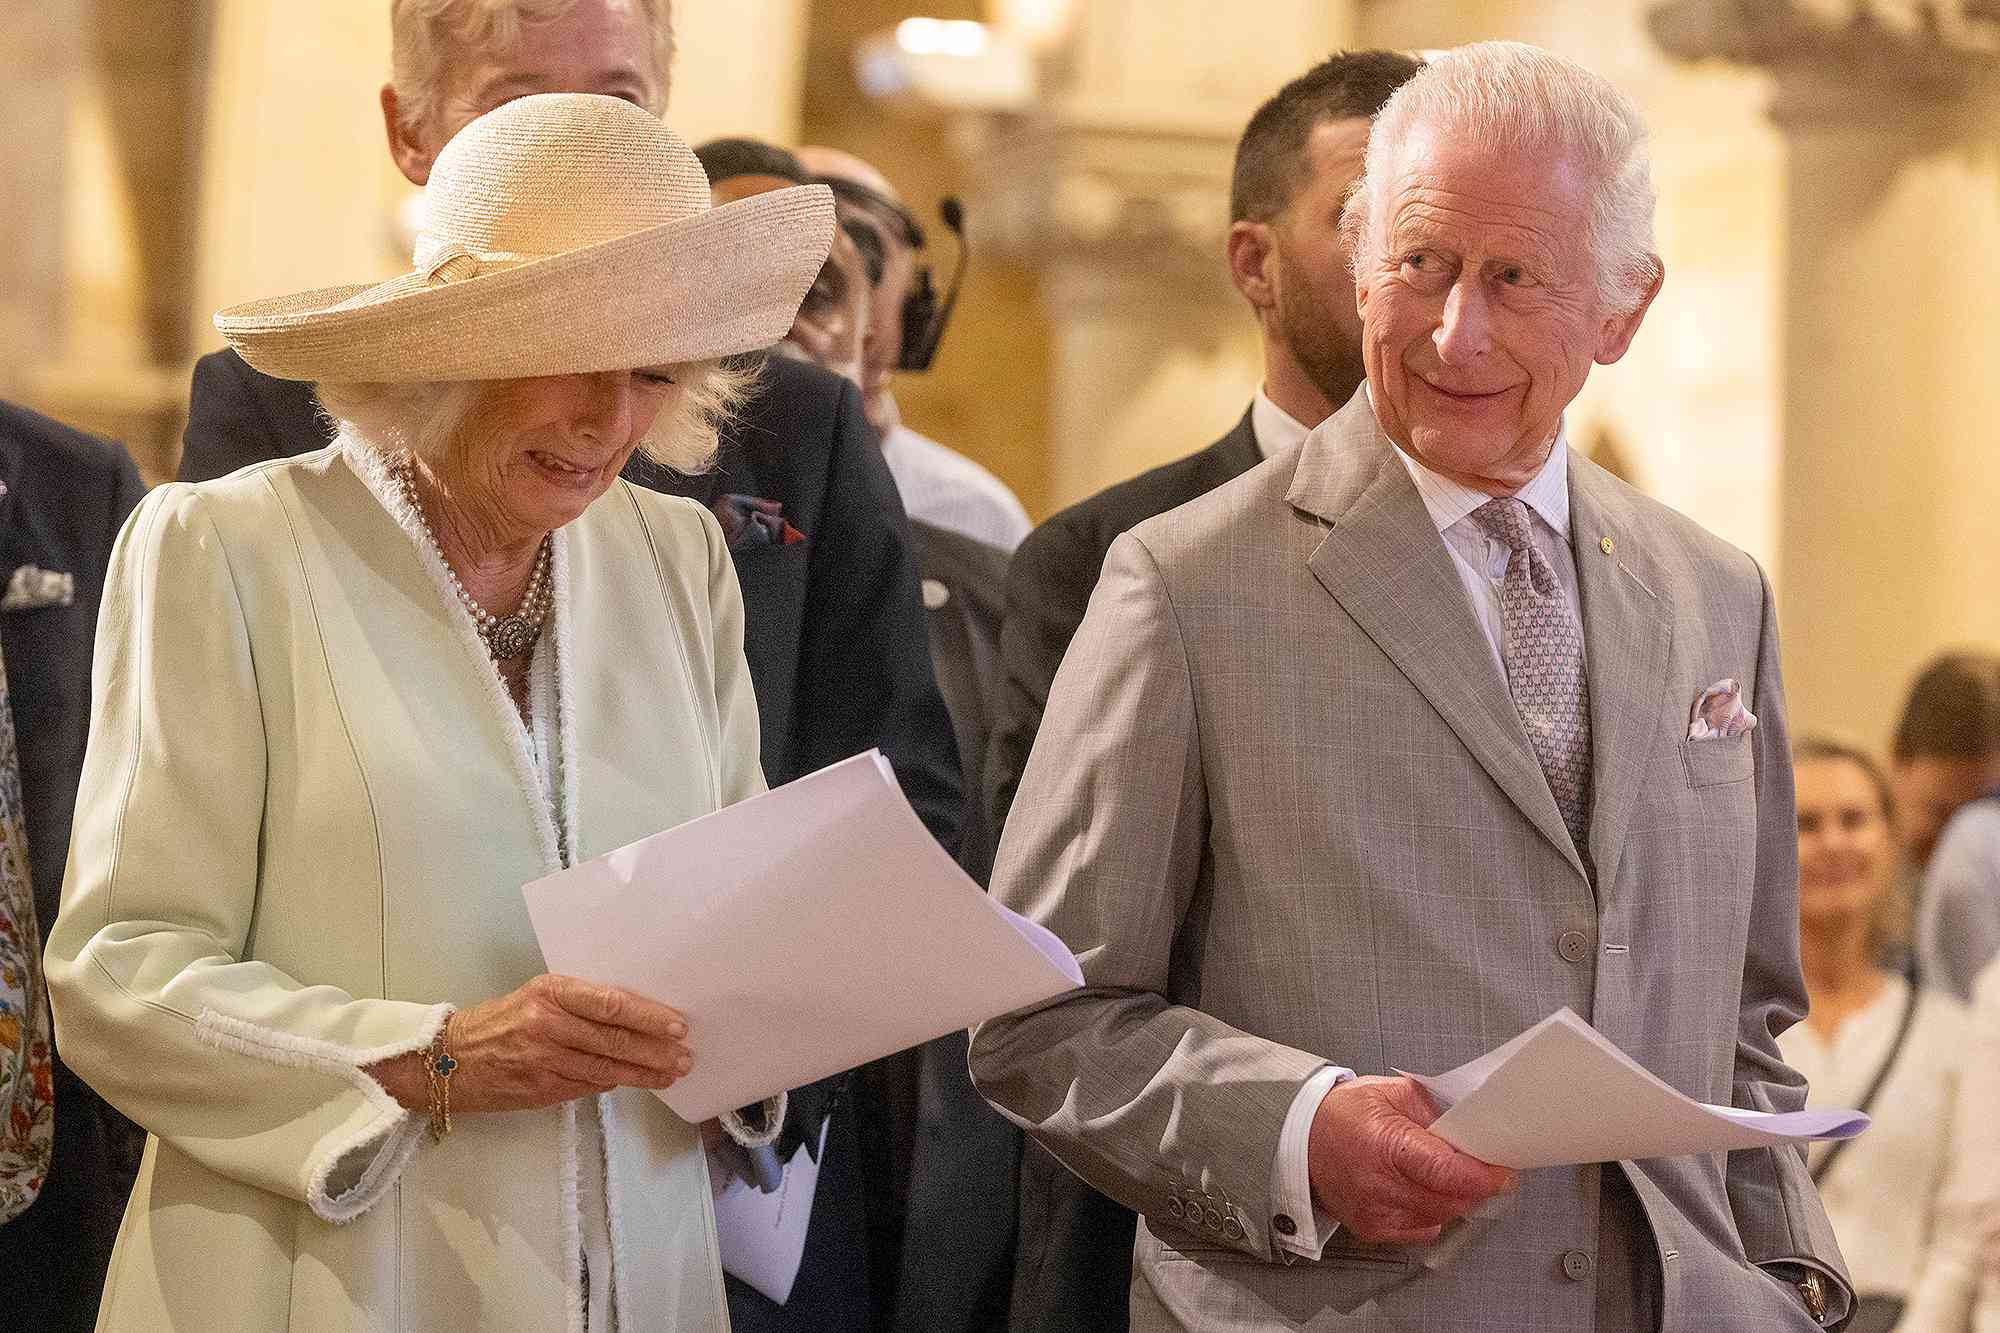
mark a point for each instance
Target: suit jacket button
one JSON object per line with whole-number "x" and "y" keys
{"x": 1284, "y": 1225}
{"x": 1232, "y": 1229}
{"x": 1576, "y": 1265}
{"x": 1573, "y": 945}
{"x": 1213, "y": 1220}
{"x": 1174, "y": 1206}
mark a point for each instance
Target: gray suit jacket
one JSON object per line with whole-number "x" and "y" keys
{"x": 1284, "y": 812}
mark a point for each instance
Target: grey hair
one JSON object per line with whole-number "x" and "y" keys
{"x": 423, "y": 34}
{"x": 1509, "y": 96}
{"x": 425, "y": 418}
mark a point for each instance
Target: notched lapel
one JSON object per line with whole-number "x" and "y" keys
{"x": 1384, "y": 562}
{"x": 1627, "y": 630}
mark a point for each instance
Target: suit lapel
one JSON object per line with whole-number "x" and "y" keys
{"x": 1627, "y": 628}
{"x": 1384, "y": 562}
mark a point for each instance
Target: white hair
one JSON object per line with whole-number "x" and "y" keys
{"x": 425, "y": 33}
{"x": 424, "y": 418}
{"x": 1509, "y": 96}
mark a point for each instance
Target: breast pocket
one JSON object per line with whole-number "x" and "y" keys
{"x": 1718, "y": 761}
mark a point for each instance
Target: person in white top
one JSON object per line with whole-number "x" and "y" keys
{"x": 1968, "y": 1238}
{"x": 1871, "y": 1038}
{"x": 939, "y": 486}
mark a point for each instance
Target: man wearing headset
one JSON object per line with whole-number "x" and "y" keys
{"x": 939, "y": 485}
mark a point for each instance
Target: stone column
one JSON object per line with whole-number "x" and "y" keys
{"x": 41, "y": 62}
{"x": 741, "y": 69}
{"x": 1115, "y": 191}
{"x": 1891, "y": 329}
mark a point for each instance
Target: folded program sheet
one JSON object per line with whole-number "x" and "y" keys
{"x": 1560, "y": 1094}
{"x": 803, "y": 932}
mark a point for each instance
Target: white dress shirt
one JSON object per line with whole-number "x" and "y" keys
{"x": 945, "y": 489}
{"x": 1276, "y": 429}
{"x": 1481, "y": 562}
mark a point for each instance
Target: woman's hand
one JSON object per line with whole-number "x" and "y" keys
{"x": 553, "y": 1040}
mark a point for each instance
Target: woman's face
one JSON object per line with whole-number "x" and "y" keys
{"x": 534, "y": 453}
{"x": 1846, "y": 851}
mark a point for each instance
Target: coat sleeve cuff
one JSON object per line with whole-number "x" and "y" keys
{"x": 374, "y": 1138}
{"x": 761, "y": 1130}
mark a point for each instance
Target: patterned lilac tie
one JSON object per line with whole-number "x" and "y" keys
{"x": 1544, "y": 663}
{"x": 27, "y": 1114}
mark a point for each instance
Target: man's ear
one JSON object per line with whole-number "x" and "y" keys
{"x": 413, "y": 158}
{"x": 1252, "y": 250}
{"x": 1616, "y": 334}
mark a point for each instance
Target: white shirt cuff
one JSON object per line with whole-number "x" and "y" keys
{"x": 1291, "y": 1182}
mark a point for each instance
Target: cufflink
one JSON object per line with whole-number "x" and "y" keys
{"x": 1812, "y": 1290}
{"x": 1284, "y": 1225}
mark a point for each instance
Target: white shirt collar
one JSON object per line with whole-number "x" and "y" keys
{"x": 1276, "y": 429}
{"x": 1547, "y": 492}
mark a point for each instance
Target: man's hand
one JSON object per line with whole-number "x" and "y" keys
{"x": 1381, "y": 1174}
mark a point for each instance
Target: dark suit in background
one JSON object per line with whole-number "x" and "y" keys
{"x": 839, "y": 658}
{"x": 958, "y": 1249}
{"x": 63, "y": 497}
{"x": 1073, "y": 1263}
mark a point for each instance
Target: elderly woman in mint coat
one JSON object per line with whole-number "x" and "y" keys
{"x": 348, "y": 703}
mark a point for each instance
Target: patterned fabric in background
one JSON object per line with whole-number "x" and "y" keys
{"x": 27, "y": 1092}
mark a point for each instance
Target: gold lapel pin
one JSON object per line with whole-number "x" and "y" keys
{"x": 1607, "y": 546}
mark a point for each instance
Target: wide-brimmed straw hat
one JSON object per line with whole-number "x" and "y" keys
{"x": 567, "y": 233}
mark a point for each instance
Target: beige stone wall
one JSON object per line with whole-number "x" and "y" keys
{"x": 34, "y": 106}
{"x": 1815, "y": 384}
{"x": 987, "y": 395}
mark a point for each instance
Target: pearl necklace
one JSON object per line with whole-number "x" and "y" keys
{"x": 506, "y": 637}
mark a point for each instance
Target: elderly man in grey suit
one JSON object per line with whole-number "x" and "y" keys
{"x": 1380, "y": 753}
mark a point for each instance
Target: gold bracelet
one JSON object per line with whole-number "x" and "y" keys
{"x": 440, "y": 1066}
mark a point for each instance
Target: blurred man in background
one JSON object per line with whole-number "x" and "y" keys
{"x": 939, "y": 485}
{"x": 940, "y": 1162}
{"x": 1947, "y": 775}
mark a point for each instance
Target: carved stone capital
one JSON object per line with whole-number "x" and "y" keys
{"x": 1063, "y": 195}
{"x": 1863, "y": 69}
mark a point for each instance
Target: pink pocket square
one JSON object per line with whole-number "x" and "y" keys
{"x": 1720, "y": 712}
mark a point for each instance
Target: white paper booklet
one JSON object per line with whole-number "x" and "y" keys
{"x": 1560, "y": 1094}
{"x": 804, "y": 931}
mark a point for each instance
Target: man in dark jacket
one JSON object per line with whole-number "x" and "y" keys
{"x": 1294, "y": 164}
{"x": 938, "y": 1158}
{"x": 834, "y": 627}
{"x": 63, "y": 498}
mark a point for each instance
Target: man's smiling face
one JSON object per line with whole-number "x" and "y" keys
{"x": 1481, "y": 313}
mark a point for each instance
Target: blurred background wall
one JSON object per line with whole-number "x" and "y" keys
{"x": 1817, "y": 383}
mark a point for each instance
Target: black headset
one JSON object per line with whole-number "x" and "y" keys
{"x": 924, "y": 314}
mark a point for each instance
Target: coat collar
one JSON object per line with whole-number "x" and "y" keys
{"x": 1383, "y": 561}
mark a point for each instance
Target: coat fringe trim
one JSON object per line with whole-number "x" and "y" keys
{"x": 393, "y": 1132}
{"x": 371, "y": 464}
{"x": 737, "y": 1126}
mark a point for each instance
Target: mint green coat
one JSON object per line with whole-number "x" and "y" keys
{"x": 307, "y": 812}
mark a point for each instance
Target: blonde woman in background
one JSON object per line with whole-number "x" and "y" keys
{"x": 1870, "y": 1037}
